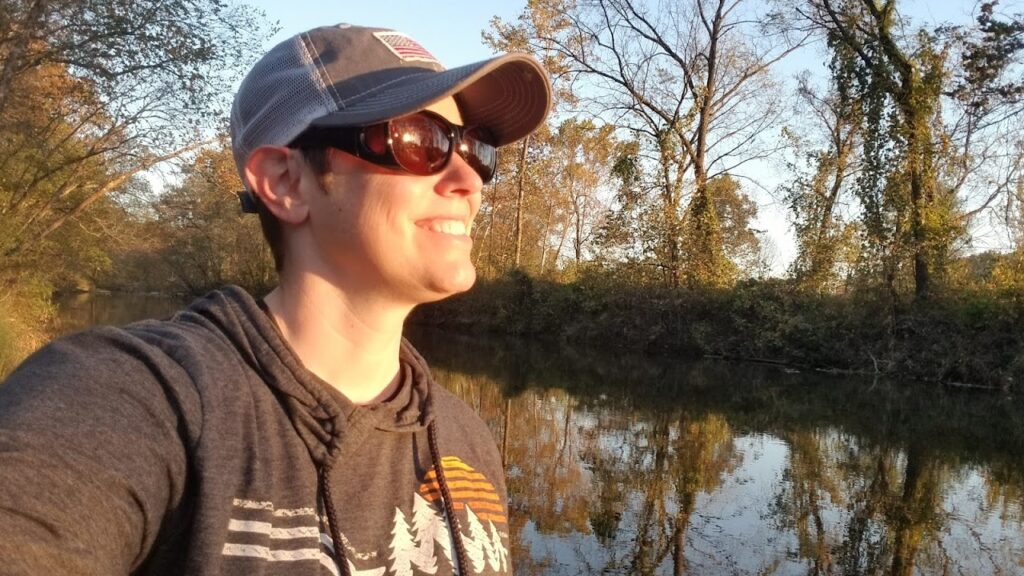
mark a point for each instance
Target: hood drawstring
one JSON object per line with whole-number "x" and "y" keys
{"x": 446, "y": 498}
{"x": 332, "y": 518}
{"x": 459, "y": 561}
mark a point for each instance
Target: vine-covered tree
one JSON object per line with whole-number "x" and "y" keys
{"x": 822, "y": 181}
{"x": 928, "y": 127}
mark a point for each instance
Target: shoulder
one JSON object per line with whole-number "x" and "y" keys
{"x": 100, "y": 373}
{"x": 156, "y": 362}
{"x": 173, "y": 373}
{"x": 205, "y": 340}
{"x": 103, "y": 352}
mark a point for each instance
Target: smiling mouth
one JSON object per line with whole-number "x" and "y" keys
{"x": 449, "y": 227}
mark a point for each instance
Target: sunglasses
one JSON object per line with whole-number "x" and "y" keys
{"x": 420, "y": 143}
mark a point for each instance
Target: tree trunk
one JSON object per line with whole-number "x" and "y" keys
{"x": 17, "y": 52}
{"x": 519, "y": 200}
{"x": 504, "y": 434}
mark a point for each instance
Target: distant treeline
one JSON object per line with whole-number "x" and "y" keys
{"x": 972, "y": 337}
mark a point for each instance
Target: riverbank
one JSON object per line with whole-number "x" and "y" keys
{"x": 968, "y": 339}
{"x": 31, "y": 317}
{"x": 26, "y": 313}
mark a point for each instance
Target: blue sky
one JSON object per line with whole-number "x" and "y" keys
{"x": 450, "y": 30}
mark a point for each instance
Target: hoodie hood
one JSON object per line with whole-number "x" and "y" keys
{"x": 322, "y": 416}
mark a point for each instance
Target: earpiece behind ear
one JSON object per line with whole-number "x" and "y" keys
{"x": 247, "y": 201}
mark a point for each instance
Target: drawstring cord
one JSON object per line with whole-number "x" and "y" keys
{"x": 332, "y": 518}
{"x": 449, "y": 504}
{"x": 459, "y": 561}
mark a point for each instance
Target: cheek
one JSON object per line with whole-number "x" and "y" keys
{"x": 390, "y": 209}
{"x": 379, "y": 218}
{"x": 336, "y": 222}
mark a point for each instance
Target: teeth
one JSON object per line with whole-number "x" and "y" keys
{"x": 453, "y": 227}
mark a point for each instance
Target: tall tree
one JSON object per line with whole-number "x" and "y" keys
{"x": 520, "y": 203}
{"x": 515, "y": 37}
{"x": 690, "y": 82}
{"x": 823, "y": 179}
{"x": 915, "y": 160}
{"x": 585, "y": 155}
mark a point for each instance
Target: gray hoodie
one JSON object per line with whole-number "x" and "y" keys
{"x": 201, "y": 445}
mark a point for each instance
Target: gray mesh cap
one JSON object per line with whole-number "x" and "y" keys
{"x": 348, "y": 75}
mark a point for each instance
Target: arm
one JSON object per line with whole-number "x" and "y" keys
{"x": 93, "y": 454}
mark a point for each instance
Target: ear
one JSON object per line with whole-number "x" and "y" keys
{"x": 275, "y": 175}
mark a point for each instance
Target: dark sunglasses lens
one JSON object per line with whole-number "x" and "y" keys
{"x": 479, "y": 153}
{"x": 375, "y": 139}
{"x": 420, "y": 144}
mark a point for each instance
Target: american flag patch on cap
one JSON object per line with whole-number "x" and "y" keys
{"x": 405, "y": 47}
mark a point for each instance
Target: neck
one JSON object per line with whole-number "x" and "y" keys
{"x": 348, "y": 339}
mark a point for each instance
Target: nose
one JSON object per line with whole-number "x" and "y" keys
{"x": 459, "y": 179}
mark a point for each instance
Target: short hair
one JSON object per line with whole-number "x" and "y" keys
{"x": 317, "y": 159}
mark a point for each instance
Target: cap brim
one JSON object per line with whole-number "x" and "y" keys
{"x": 509, "y": 95}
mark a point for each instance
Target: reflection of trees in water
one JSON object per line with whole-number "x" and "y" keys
{"x": 585, "y": 473}
{"x": 895, "y": 511}
{"x": 647, "y": 474}
{"x": 1004, "y": 492}
{"x": 809, "y": 487}
{"x": 891, "y": 504}
{"x": 888, "y": 482}
{"x": 551, "y": 485}
{"x": 704, "y": 454}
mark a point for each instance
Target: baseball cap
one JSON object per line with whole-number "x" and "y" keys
{"x": 347, "y": 75}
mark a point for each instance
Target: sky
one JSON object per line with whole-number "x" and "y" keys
{"x": 451, "y": 30}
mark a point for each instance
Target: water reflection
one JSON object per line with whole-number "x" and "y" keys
{"x": 81, "y": 310}
{"x": 630, "y": 466}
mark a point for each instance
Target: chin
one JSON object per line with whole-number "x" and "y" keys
{"x": 452, "y": 284}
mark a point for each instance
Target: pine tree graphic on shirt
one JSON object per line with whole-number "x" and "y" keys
{"x": 412, "y": 546}
{"x": 501, "y": 554}
{"x": 402, "y": 546}
{"x": 492, "y": 554}
{"x": 429, "y": 527}
{"x": 477, "y": 542}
